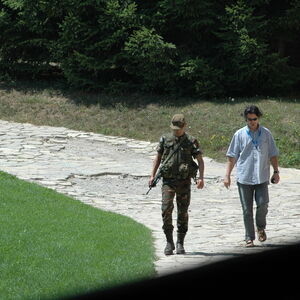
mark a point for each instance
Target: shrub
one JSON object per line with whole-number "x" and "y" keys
{"x": 150, "y": 60}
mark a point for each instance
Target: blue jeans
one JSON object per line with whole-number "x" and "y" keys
{"x": 261, "y": 196}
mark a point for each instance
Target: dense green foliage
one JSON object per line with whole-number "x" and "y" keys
{"x": 53, "y": 246}
{"x": 202, "y": 48}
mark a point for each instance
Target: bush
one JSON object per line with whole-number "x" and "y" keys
{"x": 150, "y": 60}
{"x": 200, "y": 78}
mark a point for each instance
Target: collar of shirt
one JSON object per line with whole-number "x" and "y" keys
{"x": 179, "y": 138}
{"x": 254, "y": 135}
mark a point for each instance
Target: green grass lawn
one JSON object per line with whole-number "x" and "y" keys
{"x": 146, "y": 117}
{"x": 53, "y": 246}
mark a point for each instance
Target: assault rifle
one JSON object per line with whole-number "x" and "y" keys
{"x": 155, "y": 180}
{"x": 158, "y": 173}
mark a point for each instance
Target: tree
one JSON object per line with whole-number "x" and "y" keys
{"x": 27, "y": 30}
{"x": 91, "y": 38}
{"x": 247, "y": 61}
{"x": 204, "y": 48}
{"x": 284, "y": 28}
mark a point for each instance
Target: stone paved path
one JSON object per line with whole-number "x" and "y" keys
{"x": 111, "y": 173}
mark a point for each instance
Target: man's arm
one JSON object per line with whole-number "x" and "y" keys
{"x": 230, "y": 165}
{"x": 200, "y": 182}
{"x": 274, "y": 163}
{"x": 156, "y": 163}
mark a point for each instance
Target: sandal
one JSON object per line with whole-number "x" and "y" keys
{"x": 261, "y": 235}
{"x": 249, "y": 243}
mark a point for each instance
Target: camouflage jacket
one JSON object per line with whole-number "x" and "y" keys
{"x": 181, "y": 165}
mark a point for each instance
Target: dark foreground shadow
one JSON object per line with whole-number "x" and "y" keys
{"x": 270, "y": 274}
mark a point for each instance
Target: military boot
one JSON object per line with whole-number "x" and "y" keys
{"x": 170, "y": 243}
{"x": 179, "y": 243}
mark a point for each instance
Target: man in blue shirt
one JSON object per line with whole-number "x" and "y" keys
{"x": 253, "y": 149}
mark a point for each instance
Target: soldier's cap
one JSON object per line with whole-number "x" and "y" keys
{"x": 178, "y": 121}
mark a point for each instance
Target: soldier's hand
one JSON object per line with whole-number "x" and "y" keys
{"x": 151, "y": 180}
{"x": 200, "y": 183}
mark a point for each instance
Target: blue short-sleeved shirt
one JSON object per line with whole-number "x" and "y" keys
{"x": 252, "y": 151}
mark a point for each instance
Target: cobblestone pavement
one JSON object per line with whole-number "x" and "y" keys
{"x": 111, "y": 173}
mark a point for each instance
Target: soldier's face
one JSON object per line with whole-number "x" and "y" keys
{"x": 179, "y": 132}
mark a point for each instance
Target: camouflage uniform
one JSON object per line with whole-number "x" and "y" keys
{"x": 177, "y": 179}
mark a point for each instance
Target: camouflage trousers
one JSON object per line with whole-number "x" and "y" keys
{"x": 182, "y": 190}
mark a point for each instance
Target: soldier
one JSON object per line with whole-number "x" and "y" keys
{"x": 177, "y": 174}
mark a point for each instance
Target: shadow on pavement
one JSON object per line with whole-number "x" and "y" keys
{"x": 239, "y": 252}
{"x": 231, "y": 254}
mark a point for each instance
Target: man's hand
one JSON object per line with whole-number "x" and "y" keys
{"x": 275, "y": 178}
{"x": 227, "y": 181}
{"x": 200, "y": 184}
{"x": 229, "y": 168}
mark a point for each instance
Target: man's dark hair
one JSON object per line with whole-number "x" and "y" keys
{"x": 252, "y": 109}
